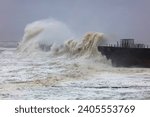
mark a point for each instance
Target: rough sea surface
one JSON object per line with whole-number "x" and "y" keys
{"x": 59, "y": 77}
{"x": 46, "y": 66}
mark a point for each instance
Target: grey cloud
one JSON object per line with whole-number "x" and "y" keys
{"x": 122, "y": 18}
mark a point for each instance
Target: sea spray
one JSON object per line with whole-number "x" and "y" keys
{"x": 52, "y": 65}
{"x": 87, "y": 46}
{"x": 51, "y": 35}
{"x": 42, "y": 34}
{"x": 59, "y": 58}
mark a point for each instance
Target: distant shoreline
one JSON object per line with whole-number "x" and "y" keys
{"x": 8, "y": 44}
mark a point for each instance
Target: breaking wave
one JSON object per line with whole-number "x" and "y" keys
{"x": 52, "y": 65}
{"x": 49, "y": 36}
{"x": 43, "y": 34}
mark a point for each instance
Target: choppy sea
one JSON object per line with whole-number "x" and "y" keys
{"x": 60, "y": 77}
{"x": 46, "y": 66}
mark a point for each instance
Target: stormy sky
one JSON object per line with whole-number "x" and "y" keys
{"x": 116, "y": 18}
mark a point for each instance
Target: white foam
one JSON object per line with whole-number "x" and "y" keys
{"x": 45, "y": 67}
{"x": 44, "y": 32}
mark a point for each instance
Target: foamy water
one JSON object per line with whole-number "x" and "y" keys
{"x": 39, "y": 68}
{"x": 68, "y": 78}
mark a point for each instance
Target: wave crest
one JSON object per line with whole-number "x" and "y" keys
{"x": 40, "y": 37}
{"x": 87, "y": 46}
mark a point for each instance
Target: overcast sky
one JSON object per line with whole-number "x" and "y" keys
{"x": 117, "y": 18}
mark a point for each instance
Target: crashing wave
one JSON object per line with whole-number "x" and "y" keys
{"x": 45, "y": 36}
{"x": 41, "y": 35}
{"x": 87, "y": 46}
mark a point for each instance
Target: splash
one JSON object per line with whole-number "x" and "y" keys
{"x": 42, "y": 35}
{"x": 49, "y": 36}
{"x": 87, "y": 46}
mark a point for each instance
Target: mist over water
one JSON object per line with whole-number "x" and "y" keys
{"x": 44, "y": 33}
{"x": 50, "y": 64}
